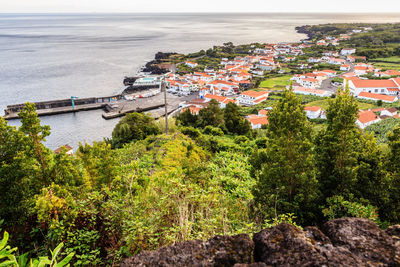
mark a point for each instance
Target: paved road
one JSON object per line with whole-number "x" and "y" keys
{"x": 327, "y": 84}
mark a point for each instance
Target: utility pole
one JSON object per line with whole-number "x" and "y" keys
{"x": 164, "y": 87}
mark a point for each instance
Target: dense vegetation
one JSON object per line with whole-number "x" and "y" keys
{"x": 382, "y": 41}
{"x": 211, "y": 175}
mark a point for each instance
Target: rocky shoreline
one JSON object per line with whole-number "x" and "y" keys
{"x": 340, "y": 242}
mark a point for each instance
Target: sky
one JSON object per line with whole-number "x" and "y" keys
{"x": 61, "y": 6}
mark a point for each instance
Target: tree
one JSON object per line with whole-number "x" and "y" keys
{"x": 286, "y": 182}
{"x": 134, "y": 126}
{"x": 99, "y": 162}
{"x": 337, "y": 146}
{"x": 186, "y": 118}
{"x": 235, "y": 123}
{"x": 211, "y": 115}
{"x": 36, "y": 134}
{"x": 13, "y": 178}
{"x": 393, "y": 167}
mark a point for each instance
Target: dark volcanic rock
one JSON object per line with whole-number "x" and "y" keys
{"x": 217, "y": 251}
{"x": 394, "y": 232}
{"x": 341, "y": 242}
{"x": 286, "y": 245}
{"x": 364, "y": 239}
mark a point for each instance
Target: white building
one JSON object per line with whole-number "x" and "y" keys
{"x": 387, "y": 87}
{"x": 251, "y": 98}
{"x": 366, "y": 118}
{"x": 347, "y": 51}
{"x": 313, "y": 112}
{"x": 309, "y": 91}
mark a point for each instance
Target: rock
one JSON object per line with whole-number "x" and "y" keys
{"x": 340, "y": 242}
{"x": 256, "y": 264}
{"x": 287, "y": 245}
{"x": 394, "y": 232}
{"x": 217, "y": 251}
{"x": 364, "y": 239}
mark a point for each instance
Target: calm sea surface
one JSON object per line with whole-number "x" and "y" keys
{"x": 44, "y": 57}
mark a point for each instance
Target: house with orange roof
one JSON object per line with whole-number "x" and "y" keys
{"x": 309, "y": 91}
{"x": 313, "y": 112}
{"x": 225, "y": 86}
{"x": 257, "y": 122}
{"x": 309, "y": 83}
{"x": 336, "y": 61}
{"x": 376, "y": 97}
{"x": 193, "y": 109}
{"x": 191, "y": 64}
{"x": 330, "y": 73}
{"x": 68, "y": 149}
{"x": 387, "y": 73}
{"x": 263, "y": 112}
{"x": 391, "y": 112}
{"x": 251, "y": 98}
{"x": 345, "y": 67}
{"x": 356, "y": 58}
{"x": 362, "y": 69}
{"x": 388, "y": 87}
{"x": 222, "y": 100}
{"x": 348, "y": 75}
{"x": 366, "y": 118}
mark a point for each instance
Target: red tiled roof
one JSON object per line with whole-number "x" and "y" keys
{"x": 366, "y": 116}
{"x": 312, "y": 108}
{"x": 259, "y": 120}
{"x": 67, "y": 147}
{"x": 261, "y": 99}
{"x": 328, "y": 71}
{"x": 309, "y": 90}
{"x": 389, "y": 98}
{"x": 310, "y": 80}
{"x": 252, "y": 93}
{"x": 216, "y": 97}
{"x": 374, "y": 83}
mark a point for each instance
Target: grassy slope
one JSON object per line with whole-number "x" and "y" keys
{"x": 387, "y": 63}
{"x": 276, "y": 83}
{"x": 324, "y": 104}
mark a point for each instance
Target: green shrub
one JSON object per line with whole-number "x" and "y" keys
{"x": 191, "y": 131}
{"x": 210, "y": 130}
{"x": 338, "y": 207}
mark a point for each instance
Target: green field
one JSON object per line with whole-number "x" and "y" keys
{"x": 387, "y": 66}
{"x": 387, "y": 59}
{"x": 276, "y": 83}
{"x": 386, "y": 63}
{"x": 324, "y": 104}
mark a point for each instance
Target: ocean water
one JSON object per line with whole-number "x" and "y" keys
{"x": 44, "y": 57}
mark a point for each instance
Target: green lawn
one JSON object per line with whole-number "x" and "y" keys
{"x": 387, "y": 66}
{"x": 276, "y": 83}
{"x": 324, "y": 104}
{"x": 387, "y": 62}
{"x": 393, "y": 59}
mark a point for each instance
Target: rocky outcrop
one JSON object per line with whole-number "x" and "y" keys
{"x": 340, "y": 242}
{"x": 217, "y": 251}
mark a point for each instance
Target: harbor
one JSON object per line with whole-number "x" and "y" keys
{"x": 142, "y": 94}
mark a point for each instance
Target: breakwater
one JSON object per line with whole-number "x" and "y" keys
{"x": 53, "y": 107}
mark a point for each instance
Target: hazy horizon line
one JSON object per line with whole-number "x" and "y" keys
{"x": 206, "y": 12}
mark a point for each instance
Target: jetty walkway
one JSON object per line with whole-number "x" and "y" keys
{"x": 114, "y": 106}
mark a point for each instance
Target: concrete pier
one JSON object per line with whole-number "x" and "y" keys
{"x": 114, "y": 106}
{"x": 54, "y": 107}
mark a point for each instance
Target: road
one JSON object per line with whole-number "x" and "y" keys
{"x": 327, "y": 84}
